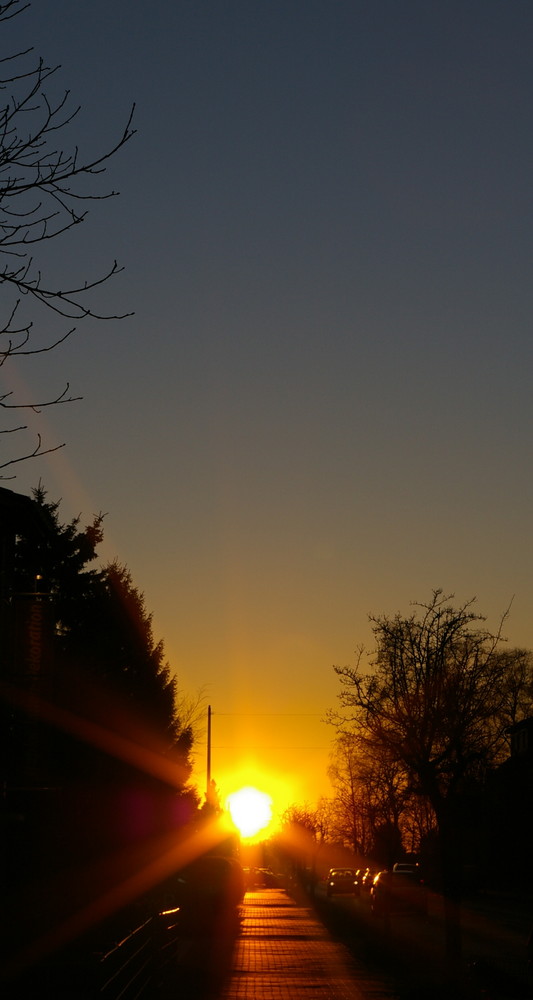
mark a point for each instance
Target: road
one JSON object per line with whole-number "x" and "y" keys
{"x": 495, "y": 934}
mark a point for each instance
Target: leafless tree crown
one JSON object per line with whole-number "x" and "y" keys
{"x": 43, "y": 195}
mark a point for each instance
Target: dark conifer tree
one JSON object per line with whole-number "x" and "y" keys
{"x": 108, "y": 715}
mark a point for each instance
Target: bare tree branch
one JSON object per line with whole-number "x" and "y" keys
{"x": 37, "y": 407}
{"x": 37, "y": 452}
{"x": 41, "y": 198}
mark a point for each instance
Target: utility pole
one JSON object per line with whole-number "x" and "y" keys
{"x": 208, "y": 787}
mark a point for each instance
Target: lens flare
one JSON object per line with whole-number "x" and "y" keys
{"x": 250, "y": 810}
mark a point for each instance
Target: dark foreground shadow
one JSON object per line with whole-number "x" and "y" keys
{"x": 210, "y": 892}
{"x": 203, "y": 962}
{"x": 179, "y": 942}
{"x": 411, "y": 974}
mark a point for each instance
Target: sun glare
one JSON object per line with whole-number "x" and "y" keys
{"x": 250, "y": 811}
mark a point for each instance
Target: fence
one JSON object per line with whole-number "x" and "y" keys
{"x": 141, "y": 964}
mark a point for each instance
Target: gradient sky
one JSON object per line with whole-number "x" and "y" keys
{"x": 322, "y": 406}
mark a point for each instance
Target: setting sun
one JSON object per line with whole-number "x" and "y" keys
{"x": 250, "y": 810}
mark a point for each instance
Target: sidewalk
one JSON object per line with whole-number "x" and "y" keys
{"x": 284, "y": 953}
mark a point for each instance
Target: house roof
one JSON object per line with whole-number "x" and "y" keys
{"x": 19, "y": 512}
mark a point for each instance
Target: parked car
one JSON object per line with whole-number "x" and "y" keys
{"x": 398, "y": 890}
{"x": 407, "y": 867}
{"x": 342, "y": 880}
{"x": 209, "y": 891}
{"x": 262, "y": 878}
{"x": 366, "y": 878}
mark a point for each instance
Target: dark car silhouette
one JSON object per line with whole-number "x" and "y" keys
{"x": 342, "y": 880}
{"x": 397, "y": 890}
{"x": 209, "y": 891}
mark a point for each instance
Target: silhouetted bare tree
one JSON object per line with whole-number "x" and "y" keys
{"x": 43, "y": 195}
{"x": 350, "y": 815}
{"x": 435, "y": 707}
{"x": 517, "y": 703}
{"x": 369, "y": 793}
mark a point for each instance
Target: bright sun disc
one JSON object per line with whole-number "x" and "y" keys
{"x": 250, "y": 810}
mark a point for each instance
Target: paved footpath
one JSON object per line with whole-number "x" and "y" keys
{"x": 284, "y": 953}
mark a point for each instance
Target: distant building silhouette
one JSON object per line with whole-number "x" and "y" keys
{"x": 522, "y": 738}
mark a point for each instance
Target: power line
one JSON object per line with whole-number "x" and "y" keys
{"x": 276, "y": 715}
{"x": 262, "y": 747}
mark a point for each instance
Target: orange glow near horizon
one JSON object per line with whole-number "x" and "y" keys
{"x": 284, "y": 754}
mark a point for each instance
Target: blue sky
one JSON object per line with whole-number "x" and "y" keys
{"x": 321, "y": 407}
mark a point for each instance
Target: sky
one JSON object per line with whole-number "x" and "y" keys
{"x": 321, "y": 406}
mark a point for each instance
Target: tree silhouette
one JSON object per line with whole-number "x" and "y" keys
{"x": 95, "y": 757}
{"x": 434, "y": 706}
{"x": 370, "y": 794}
{"x": 101, "y": 631}
{"x": 43, "y": 195}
